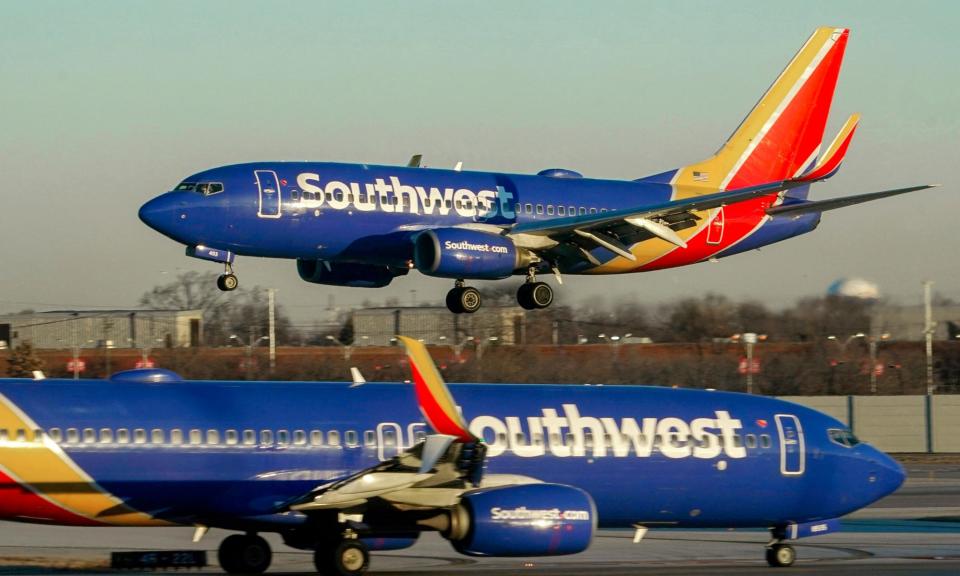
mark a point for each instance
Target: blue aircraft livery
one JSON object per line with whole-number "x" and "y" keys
{"x": 502, "y": 470}
{"x": 362, "y": 225}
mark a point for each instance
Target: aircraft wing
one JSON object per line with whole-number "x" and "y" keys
{"x": 658, "y": 220}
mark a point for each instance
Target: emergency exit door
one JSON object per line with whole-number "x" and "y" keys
{"x": 792, "y": 449}
{"x": 269, "y": 194}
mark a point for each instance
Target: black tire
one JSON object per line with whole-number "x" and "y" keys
{"x": 525, "y": 296}
{"x": 781, "y": 555}
{"x": 453, "y": 301}
{"x": 230, "y": 282}
{"x": 244, "y": 554}
{"x": 344, "y": 558}
{"x": 470, "y": 300}
{"x": 541, "y": 294}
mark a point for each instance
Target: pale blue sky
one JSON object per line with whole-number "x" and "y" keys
{"x": 106, "y": 104}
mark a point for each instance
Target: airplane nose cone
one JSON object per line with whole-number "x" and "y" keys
{"x": 890, "y": 475}
{"x": 154, "y": 212}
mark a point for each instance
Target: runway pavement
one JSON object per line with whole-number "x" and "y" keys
{"x": 914, "y": 531}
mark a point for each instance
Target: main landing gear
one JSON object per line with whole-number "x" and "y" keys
{"x": 244, "y": 554}
{"x": 346, "y": 557}
{"x": 532, "y": 294}
{"x": 463, "y": 299}
{"x": 227, "y": 281}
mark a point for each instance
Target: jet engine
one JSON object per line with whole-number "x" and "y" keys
{"x": 464, "y": 253}
{"x": 527, "y": 520}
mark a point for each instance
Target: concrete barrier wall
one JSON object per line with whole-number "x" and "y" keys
{"x": 895, "y": 423}
{"x": 835, "y": 406}
{"x": 891, "y": 423}
{"x": 945, "y": 420}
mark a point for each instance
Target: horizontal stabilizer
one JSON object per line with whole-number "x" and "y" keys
{"x": 824, "y": 205}
{"x": 829, "y": 163}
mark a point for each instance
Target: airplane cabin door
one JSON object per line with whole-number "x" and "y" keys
{"x": 792, "y": 449}
{"x": 269, "y": 194}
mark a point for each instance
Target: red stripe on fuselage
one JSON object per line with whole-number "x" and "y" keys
{"x": 739, "y": 220}
{"x": 18, "y": 502}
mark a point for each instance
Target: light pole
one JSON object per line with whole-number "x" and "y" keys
{"x": 347, "y": 349}
{"x": 253, "y": 342}
{"x": 874, "y": 343}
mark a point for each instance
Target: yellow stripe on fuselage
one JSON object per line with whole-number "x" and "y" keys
{"x": 47, "y": 470}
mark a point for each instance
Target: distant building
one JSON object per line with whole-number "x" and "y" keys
{"x": 906, "y": 322}
{"x": 437, "y": 325}
{"x": 100, "y": 328}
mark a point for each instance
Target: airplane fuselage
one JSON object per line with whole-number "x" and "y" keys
{"x": 116, "y": 453}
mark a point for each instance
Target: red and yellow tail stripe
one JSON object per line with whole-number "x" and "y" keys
{"x": 433, "y": 396}
{"x": 41, "y": 483}
{"x": 830, "y": 161}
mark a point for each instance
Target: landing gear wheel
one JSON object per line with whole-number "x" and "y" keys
{"x": 344, "y": 558}
{"x": 470, "y": 300}
{"x": 781, "y": 555}
{"x": 244, "y": 554}
{"x": 227, "y": 282}
{"x": 453, "y": 301}
{"x": 533, "y": 295}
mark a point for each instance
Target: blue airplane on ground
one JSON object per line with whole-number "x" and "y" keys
{"x": 364, "y": 225}
{"x": 524, "y": 470}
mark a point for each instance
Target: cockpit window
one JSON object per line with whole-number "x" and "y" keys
{"x": 186, "y": 186}
{"x": 209, "y": 188}
{"x": 843, "y": 437}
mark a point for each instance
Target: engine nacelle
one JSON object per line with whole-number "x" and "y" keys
{"x": 463, "y": 253}
{"x": 345, "y": 273}
{"x": 526, "y": 520}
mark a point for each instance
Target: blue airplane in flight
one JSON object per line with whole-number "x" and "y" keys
{"x": 523, "y": 470}
{"x": 363, "y": 225}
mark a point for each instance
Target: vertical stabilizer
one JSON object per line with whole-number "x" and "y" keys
{"x": 781, "y": 137}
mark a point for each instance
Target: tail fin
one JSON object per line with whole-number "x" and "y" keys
{"x": 781, "y": 137}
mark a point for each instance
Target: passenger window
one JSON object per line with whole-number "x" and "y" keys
{"x": 176, "y": 437}
{"x": 308, "y": 195}
{"x": 249, "y": 437}
{"x": 295, "y": 195}
{"x": 54, "y": 434}
{"x": 196, "y": 437}
{"x": 299, "y": 437}
{"x": 572, "y": 210}
{"x": 765, "y": 441}
{"x": 350, "y": 438}
{"x": 528, "y": 208}
{"x": 231, "y": 437}
{"x": 501, "y": 438}
{"x": 283, "y": 437}
{"x": 157, "y": 436}
{"x": 389, "y": 438}
{"x": 106, "y": 436}
{"x": 737, "y": 441}
{"x": 369, "y": 439}
{"x": 123, "y": 436}
{"x": 561, "y": 210}
{"x": 593, "y": 210}
{"x": 588, "y": 440}
{"x": 751, "y": 441}
{"x": 602, "y": 210}
{"x": 549, "y": 209}
{"x": 316, "y": 438}
{"x": 583, "y": 210}
{"x": 266, "y": 438}
{"x": 73, "y": 436}
{"x": 139, "y": 436}
{"x": 419, "y": 436}
{"x": 4, "y": 435}
{"x": 539, "y": 208}
{"x": 22, "y": 435}
{"x": 213, "y": 437}
{"x": 333, "y": 438}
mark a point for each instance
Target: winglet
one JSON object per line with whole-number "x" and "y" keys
{"x": 829, "y": 163}
{"x": 434, "y": 398}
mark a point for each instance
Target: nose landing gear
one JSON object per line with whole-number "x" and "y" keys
{"x": 463, "y": 299}
{"x": 227, "y": 282}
